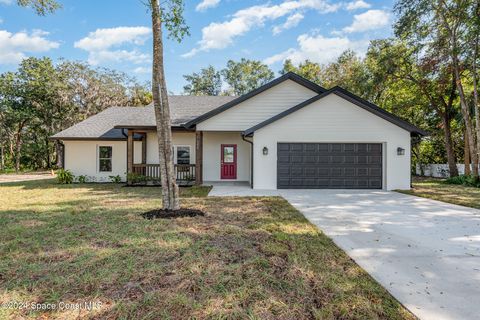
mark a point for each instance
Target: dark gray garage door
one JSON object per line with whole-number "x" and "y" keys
{"x": 329, "y": 165}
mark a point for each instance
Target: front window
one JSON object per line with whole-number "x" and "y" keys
{"x": 105, "y": 159}
{"x": 183, "y": 154}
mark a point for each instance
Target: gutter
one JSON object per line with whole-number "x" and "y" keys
{"x": 251, "y": 159}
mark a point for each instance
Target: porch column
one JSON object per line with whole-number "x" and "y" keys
{"x": 199, "y": 157}
{"x": 144, "y": 148}
{"x": 129, "y": 154}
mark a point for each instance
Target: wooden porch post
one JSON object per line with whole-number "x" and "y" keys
{"x": 144, "y": 148}
{"x": 129, "y": 154}
{"x": 199, "y": 157}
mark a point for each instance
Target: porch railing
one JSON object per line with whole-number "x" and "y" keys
{"x": 185, "y": 173}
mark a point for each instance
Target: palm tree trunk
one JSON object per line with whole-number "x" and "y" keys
{"x": 170, "y": 192}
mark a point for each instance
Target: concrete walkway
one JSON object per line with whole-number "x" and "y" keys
{"x": 426, "y": 253}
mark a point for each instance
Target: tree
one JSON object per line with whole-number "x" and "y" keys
{"x": 442, "y": 27}
{"x": 208, "y": 82}
{"x": 430, "y": 77}
{"x": 169, "y": 15}
{"x": 307, "y": 69}
{"x": 41, "y": 7}
{"x": 246, "y": 75}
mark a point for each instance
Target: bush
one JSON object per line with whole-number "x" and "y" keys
{"x": 469, "y": 181}
{"x": 65, "y": 176}
{"x": 82, "y": 179}
{"x": 136, "y": 178}
{"x": 115, "y": 179}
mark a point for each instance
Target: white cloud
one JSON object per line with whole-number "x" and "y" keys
{"x": 205, "y": 4}
{"x": 99, "y": 44}
{"x": 221, "y": 35}
{"x": 318, "y": 49}
{"x": 15, "y": 46}
{"x": 142, "y": 70}
{"x": 135, "y": 56}
{"x": 292, "y": 21}
{"x": 359, "y": 4}
{"x": 369, "y": 20}
{"x": 102, "y": 39}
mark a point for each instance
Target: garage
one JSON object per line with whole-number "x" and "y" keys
{"x": 329, "y": 165}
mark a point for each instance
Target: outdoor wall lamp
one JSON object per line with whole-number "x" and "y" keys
{"x": 265, "y": 151}
{"x": 400, "y": 151}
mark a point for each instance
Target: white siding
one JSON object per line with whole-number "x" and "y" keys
{"x": 212, "y": 142}
{"x": 179, "y": 138}
{"x": 333, "y": 119}
{"x": 81, "y": 158}
{"x": 258, "y": 108}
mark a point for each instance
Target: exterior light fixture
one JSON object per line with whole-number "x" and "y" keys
{"x": 400, "y": 151}
{"x": 265, "y": 151}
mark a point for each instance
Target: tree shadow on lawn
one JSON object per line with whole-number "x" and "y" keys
{"x": 116, "y": 190}
{"x": 248, "y": 257}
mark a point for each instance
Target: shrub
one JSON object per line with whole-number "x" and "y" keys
{"x": 82, "y": 179}
{"x": 65, "y": 176}
{"x": 469, "y": 181}
{"x": 136, "y": 178}
{"x": 115, "y": 179}
{"x": 456, "y": 180}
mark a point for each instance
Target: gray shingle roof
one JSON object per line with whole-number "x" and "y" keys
{"x": 101, "y": 125}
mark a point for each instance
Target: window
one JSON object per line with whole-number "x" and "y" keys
{"x": 105, "y": 159}
{"x": 182, "y": 154}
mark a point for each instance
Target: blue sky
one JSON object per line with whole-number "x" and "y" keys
{"x": 116, "y": 34}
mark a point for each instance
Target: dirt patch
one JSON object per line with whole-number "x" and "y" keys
{"x": 171, "y": 214}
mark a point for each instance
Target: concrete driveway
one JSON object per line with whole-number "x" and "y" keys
{"x": 426, "y": 253}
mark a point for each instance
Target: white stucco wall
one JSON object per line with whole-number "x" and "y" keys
{"x": 333, "y": 119}
{"x": 258, "y": 108}
{"x": 212, "y": 142}
{"x": 81, "y": 158}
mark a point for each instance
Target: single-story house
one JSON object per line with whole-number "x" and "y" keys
{"x": 289, "y": 133}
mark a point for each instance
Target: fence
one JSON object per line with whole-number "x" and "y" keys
{"x": 438, "y": 170}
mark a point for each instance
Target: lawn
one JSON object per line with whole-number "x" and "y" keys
{"x": 255, "y": 258}
{"x": 436, "y": 189}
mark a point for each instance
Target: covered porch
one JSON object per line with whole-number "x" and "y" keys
{"x": 147, "y": 169}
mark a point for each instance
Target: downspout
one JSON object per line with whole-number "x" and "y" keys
{"x": 251, "y": 159}
{"x": 63, "y": 152}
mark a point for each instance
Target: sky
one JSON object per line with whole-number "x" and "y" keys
{"x": 117, "y": 33}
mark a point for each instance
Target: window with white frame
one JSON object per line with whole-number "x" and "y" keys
{"x": 182, "y": 155}
{"x": 105, "y": 158}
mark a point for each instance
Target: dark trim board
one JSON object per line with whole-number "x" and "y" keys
{"x": 288, "y": 76}
{"x": 351, "y": 98}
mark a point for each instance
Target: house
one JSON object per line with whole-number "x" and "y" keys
{"x": 289, "y": 133}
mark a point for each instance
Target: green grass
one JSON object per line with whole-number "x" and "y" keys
{"x": 437, "y": 189}
{"x": 248, "y": 258}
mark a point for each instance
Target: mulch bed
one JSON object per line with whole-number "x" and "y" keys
{"x": 171, "y": 214}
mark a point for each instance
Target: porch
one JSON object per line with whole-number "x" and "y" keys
{"x": 143, "y": 169}
{"x": 150, "y": 173}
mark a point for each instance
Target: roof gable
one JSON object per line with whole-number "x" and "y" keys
{"x": 288, "y": 76}
{"x": 356, "y": 100}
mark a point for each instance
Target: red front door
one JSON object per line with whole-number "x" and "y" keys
{"x": 228, "y": 161}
